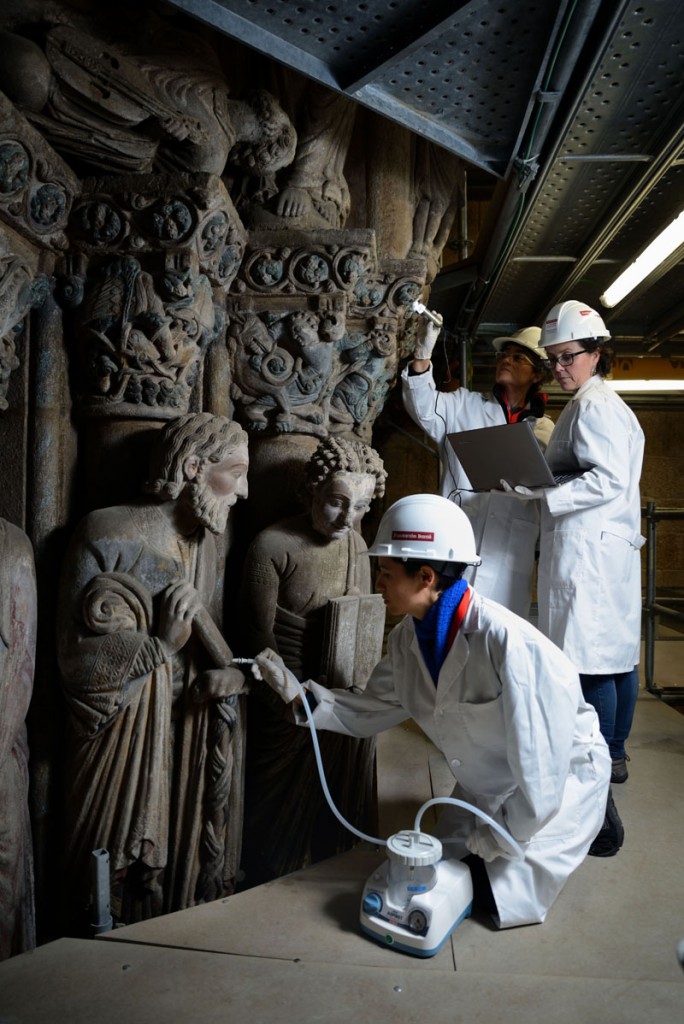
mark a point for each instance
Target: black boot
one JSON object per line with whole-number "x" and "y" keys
{"x": 611, "y": 834}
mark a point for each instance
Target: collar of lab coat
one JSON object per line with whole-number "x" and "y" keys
{"x": 457, "y": 657}
{"x": 589, "y": 385}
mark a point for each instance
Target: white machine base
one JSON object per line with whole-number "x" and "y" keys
{"x": 422, "y": 927}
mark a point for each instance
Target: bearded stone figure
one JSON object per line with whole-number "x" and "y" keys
{"x": 18, "y": 612}
{"x": 155, "y": 732}
{"x": 294, "y": 571}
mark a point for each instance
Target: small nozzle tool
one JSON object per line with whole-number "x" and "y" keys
{"x": 436, "y": 318}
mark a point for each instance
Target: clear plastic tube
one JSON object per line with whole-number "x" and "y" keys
{"x": 475, "y": 810}
{"x": 435, "y": 800}
{"x": 321, "y": 772}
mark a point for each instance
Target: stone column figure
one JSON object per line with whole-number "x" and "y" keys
{"x": 17, "y": 658}
{"x": 292, "y": 571}
{"x": 153, "y": 700}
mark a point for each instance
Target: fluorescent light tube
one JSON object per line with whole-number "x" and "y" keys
{"x": 653, "y": 255}
{"x": 646, "y": 385}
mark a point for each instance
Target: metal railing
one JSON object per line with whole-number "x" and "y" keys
{"x": 660, "y": 609}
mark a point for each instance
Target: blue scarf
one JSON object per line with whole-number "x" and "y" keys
{"x": 433, "y": 630}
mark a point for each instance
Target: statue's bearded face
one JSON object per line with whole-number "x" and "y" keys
{"x": 340, "y": 503}
{"x": 217, "y": 487}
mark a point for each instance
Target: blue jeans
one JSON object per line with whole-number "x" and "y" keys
{"x": 614, "y": 697}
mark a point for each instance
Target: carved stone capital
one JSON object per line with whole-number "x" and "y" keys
{"x": 313, "y": 330}
{"x": 37, "y": 188}
{"x": 155, "y": 254}
{"x": 159, "y": 214}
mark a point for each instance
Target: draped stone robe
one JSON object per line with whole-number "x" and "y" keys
{"x": 291, "y": 572}
{"x": 141, "y": 750}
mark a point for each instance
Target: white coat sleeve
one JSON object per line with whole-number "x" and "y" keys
{"x": 359, "y": 714}
{"x": 434, "y": 411}
{"x": 600, "y": 441}
{"x": 540, "y": 693}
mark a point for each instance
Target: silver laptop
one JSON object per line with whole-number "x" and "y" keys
{"x": 507, "y": 452}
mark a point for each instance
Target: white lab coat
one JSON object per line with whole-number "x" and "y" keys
{"x": 506, "y": 530}
{"x": 589, "y": 580}
{"x": 509, "y": 717}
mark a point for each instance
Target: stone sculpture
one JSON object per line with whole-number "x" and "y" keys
{"x": 18, "y": 613}
{"x": 292, "y": 571}
{"x": 313, "y": 190}
{"x": 156, "y": 101}
{"x": 155, "y": 734}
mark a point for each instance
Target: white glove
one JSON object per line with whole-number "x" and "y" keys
{"x": 270, "y": 667}
{"x": 427, "y": 334}
{"x": 486, "y": 843}
{"x": 523, "y": 493}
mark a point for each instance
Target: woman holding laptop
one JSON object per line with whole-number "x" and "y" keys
{"x": 589, "y": 563}
{"x": 506, "y": 531}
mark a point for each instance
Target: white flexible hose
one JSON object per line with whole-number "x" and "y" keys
{"x": 476, "y": 810}
{"x": 436, "y": 800}
{"x": 321, "y": 772}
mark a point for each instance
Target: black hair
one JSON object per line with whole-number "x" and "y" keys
{"x": 606, "y": 353}
{"x": 447, "y": 572}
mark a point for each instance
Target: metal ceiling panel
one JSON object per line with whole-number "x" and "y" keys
{"x": 464, "y": 75}
{"x": 575, "y": 107}
{"x": 613, "y": 181}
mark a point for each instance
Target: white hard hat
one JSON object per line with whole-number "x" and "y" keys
{"x": 526, "y": 337}
{"x": 572, "y": 321}
{"x": 425, "y": 526}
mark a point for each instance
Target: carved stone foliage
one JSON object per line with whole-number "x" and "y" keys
{"x": 313, "y": 332}
{"x": 157, "y": 254}
{"x": 36, "y": 187}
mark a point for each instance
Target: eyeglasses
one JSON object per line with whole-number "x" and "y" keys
{"x": 565, "y": 358}
{"x": 514, "y": 357}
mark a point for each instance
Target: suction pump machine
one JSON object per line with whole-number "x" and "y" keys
{"x": 416, "y": 898}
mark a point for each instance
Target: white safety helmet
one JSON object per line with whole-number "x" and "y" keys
{"x": 425, "y": 526}
{"x": 526, "y": 337}
{"x": 572, "y": 321}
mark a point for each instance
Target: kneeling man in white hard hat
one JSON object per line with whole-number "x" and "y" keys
{"x": 499, "y": 700}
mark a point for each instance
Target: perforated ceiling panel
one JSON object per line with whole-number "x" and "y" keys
{"x": 614, "y": 181}
{"x": 575, "y": 107}
{"x": 461, "y": 74}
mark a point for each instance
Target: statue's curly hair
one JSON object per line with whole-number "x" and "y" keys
{"x": 210, "y": 438}
{"x": 337, "y": 455}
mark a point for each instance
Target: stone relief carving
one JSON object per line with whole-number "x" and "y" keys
{"x": 293, "y": 570}
{"x": 159, "y": 254}
{"x": 327, "y": 366}
{"x": 155, "y": 730}
{"x": 153, "y": 100}
{"x": 36, "y": 187}
{"x": 439, "y": 189}
{"x": 313, "y": 191}
{"x": 18, "y": 615}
